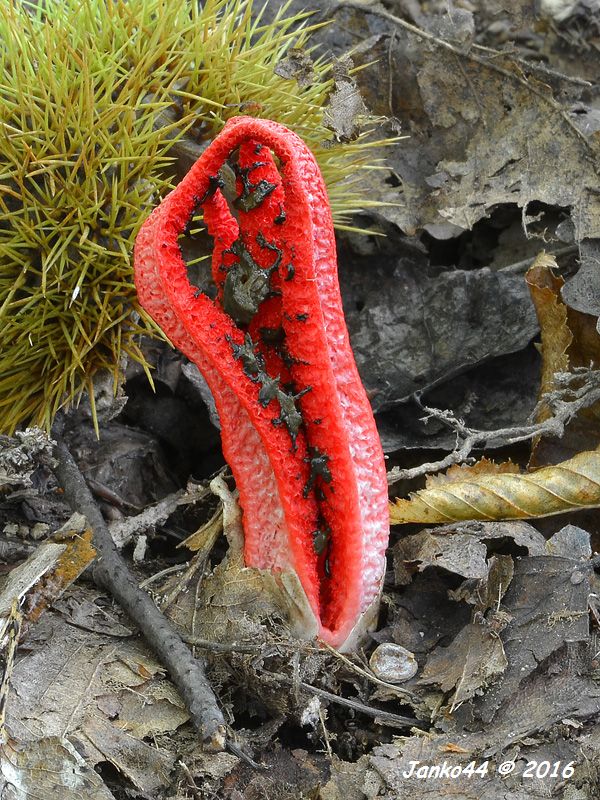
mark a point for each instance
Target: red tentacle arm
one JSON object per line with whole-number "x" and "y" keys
{"x": 297, "y": 428}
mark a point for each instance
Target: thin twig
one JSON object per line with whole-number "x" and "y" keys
{"x": 523, "y": 266}
{"x": 162, "y": 574}
{"x": 123, "y": 530}
{"x": 112, "y": 573}
{"x": 190, "y": 779}
{"x": 532, "y": 66}
{"x": 379, "y": 11}
{"x": 409, "y": 697}
{"x": 468, "y": 439}
{"x": 386, "y": 717}
{"x": 236, "y": 750}
{"x": 325, "y": 734}
{"x": 104, "y": 493}
{"x": 222, "y": 647}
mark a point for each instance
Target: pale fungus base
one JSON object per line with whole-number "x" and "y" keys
{"x": 281, "y": 593}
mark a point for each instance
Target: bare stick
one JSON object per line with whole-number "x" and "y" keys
{"x": 125, "y": 529}
{"x": 564, "y": 403}
{"x": 532, "y": 66}
{"x": 112, "y": 573}
{"x": 386, "y": 717}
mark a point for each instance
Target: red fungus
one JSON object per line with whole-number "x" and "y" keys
{"x": 297, "y": 428}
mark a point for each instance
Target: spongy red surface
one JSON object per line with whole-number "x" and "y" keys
{"x": 338, "y": 421}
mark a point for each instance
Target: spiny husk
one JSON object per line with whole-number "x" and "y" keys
{"x": 93, "y": 96}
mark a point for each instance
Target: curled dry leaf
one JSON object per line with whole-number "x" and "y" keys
{"x": 569, "y": 341}
{"x": 544, "y": 287}
{"x": 568, "y": 486}
{"x": 458, "y": 472}
{"x": 488, "y": 491}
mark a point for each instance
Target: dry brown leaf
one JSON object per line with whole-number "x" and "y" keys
{"x": 148, "y": 767}
{"x": 453, "y": 748}
{"x": 569, "y": 341}
{"x": 551, "y": 312}
{"x": 50, "y": 570}
{"x": 49, "y": 767}
{"x": 474, "y": 659}
{"x": 461, "y": 472}
{"x": 76, "y": 557}
{"x": 204, "y": 538}
{"x": 570, "y": 485}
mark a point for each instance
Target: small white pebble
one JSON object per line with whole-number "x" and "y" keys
{"x": 393, "y": 663}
